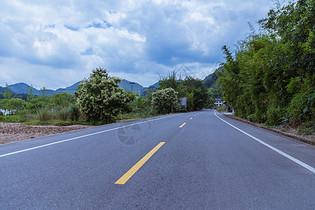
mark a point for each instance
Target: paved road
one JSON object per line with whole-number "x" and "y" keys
{"x": 160, "y": 163}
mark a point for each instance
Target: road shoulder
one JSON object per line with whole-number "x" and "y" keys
{"x": 301, "y": 138}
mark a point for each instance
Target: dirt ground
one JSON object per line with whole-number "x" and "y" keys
{"x": 10, "y": 132}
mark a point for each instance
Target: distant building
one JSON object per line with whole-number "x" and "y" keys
{"x": 3, "y": 112}
{"x": 218, "y": 102}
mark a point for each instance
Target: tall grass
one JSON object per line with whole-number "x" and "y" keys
{"x": 63, "y": 114}
{"x": 45, "y": 115}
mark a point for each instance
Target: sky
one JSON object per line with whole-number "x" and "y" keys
{"x": 57, "y": 43}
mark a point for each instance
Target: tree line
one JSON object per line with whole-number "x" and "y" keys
{"x": 99, "y": 99}
{"x": 271, "y": 76}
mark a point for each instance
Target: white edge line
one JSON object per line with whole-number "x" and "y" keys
{"x": 79, "y": 137}
{"x": 308, "y": 167}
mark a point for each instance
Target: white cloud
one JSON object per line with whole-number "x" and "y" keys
{"x": 57, "y": 43}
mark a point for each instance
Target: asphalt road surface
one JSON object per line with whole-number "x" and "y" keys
{"x": 199, "y": 160}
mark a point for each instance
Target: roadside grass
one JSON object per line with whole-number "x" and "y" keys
{"x": 30, "y": 119}
{"x": 305, "y": 130}
{"x": 12, "y": 119}
{"x": 136, "y": 115}
{"x": 48, "y": 118}
{"x": 220, "y": 108}
{"x": 51, "y": 122}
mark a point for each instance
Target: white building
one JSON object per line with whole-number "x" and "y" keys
{"x": 218, "y": 102}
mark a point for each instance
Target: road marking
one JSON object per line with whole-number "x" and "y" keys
{"x": 79, "y": 137}
{"x": 191, "y": 118}
{"x": 308, "y": 167}
{"x": 138, "y": 165}
{"x": 182, "y": 125}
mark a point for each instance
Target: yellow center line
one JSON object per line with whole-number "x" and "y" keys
{"x": 138, "y": 165}
{"x": 182, "y": 125}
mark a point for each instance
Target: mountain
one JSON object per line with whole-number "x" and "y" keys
{"x": 150, "y": 89}
{"x": 71, "y": 89}
{"x": 2, "y": 89}
{"x": 211, "y": 79}
{"x": 131, "y": 86}
{"x": 22, "y": 88}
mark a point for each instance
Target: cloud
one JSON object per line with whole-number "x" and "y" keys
{"x": 56, "y": 43}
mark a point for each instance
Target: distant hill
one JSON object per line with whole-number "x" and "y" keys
{"x": 2, "y": 89}
{"x": 151, "y": 89}
{"x": 71, "y": 89}
{"x": 131, "y": 86}
{"x": 211, "y": 79}
{"x": 22, "y": 88}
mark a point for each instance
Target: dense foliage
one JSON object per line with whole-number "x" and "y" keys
{"x": 193, "y": 89}
{"x": 41, "y": 108}
{"x": 100, "y": 98}
{"x": 271, "y": 78}
{"x": 165, "y": 101}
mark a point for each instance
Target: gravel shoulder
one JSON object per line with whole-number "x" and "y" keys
{"x": 11, "y": 132}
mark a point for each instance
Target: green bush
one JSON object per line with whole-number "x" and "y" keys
{"x": 63, "y": 114}
{"x": 11, "y": 118}
{"x": 252, "y": 118}
{"x": 301, "y": 108}
{"x": 24, "y": 115}
{"x": 74, "y": 112}
{"x": 307, "y": 128}
{"x": 165, "y": 101}
{"x": 45, "y": 114}
{"x": 137, "y": 115}
{"x": 100, "y": 98}
{"x": 220, "y": 108}
{"x": 275, "y": 115}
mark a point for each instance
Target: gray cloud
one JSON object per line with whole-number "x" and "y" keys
{"x": 133, "y": 39}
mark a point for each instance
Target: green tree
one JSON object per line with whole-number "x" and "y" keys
{"x": 4, "y": 103}
{"x": 230, "y": 81}
{"x": 100, "y": 98}
{"x": 62, "y": 100}
{"x": 165, "y": 101}
{"x": 30, "y": 94}
{"x": 200, "y": 98}
{"x": 271, "y": 77}
{"x": 200, "y": 93}
{"x": 140, "y": 104}
{"x": 190, "y": 101}
{"x": 15, "y": 105}
{"x": 173, "y": 81}
{"x": 7, "y": 94}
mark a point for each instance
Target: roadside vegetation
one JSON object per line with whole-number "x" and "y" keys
{"x": 270, "y": 79}
{"x": 100, "y": 100}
